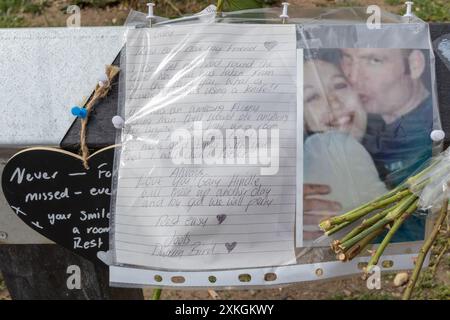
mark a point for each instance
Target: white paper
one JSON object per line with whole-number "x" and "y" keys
{"x": 44, "y": 72}
{"x": 208, "y": 215}
{"x": 300, "y": 160}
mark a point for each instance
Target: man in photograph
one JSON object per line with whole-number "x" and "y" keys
{"x": 394, "y": 87}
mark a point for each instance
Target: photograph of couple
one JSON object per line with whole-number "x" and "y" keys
{"x": 368, "y": 115}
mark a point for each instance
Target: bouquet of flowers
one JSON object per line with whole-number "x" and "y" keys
{"x": 426, "y": 191}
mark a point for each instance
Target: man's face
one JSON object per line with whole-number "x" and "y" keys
{"x": 380, "y": 76}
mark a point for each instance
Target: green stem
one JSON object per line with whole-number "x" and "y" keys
{"x": 356, "y": 214}
{"x": 156, "y": 295}
{"x": 438, "y": 259}
{"x": 424, "y": 251}
{"x": 374, "y": 260}
{"x": 220, "y": 4}
{"x": 379, "y": 203}
{"x": 337, "y": 228}
{"x": 412, "y": 180}
{"x": 391, "y": 216}
{"x": 358, "y": 247}
{"x": 328, "y": 224}
{"x": 368, "y": 222}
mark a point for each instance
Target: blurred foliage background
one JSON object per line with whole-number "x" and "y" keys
{"x": 52, "y": 13}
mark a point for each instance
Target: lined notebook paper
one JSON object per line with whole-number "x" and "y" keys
{"x": 207, "y": 174}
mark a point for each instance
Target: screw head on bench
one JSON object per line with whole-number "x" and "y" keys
{"x": 3, "y": 235}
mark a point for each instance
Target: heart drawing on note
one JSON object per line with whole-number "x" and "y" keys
{"x": 269, "y": 45}
{"x": 51, "y": 191}
{"x": 221, "y": 218}
{"x": 230, "y": 246}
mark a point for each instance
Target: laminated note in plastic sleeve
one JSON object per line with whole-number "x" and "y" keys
{"x": 242, "y": 133}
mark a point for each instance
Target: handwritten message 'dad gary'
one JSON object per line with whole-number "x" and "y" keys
{"x": 207, "y": 174}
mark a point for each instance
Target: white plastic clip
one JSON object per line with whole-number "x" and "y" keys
{"x": 150, "y": 15}
{"x": 437, "y": 135}
{"x": 118, "y": 122}
{"x": 103, "y": 80}
{"x": 409, "y": 13}
{"x": 284, "y": 15}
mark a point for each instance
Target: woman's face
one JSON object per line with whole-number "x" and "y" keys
{"x": 329, "y": 101}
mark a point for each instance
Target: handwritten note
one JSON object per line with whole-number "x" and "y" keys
{"x": 207, "y": 174}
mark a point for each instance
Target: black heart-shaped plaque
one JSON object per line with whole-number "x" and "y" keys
{"x": 52, "y": 192}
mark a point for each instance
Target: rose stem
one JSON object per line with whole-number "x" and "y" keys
{"x": 424, "y": 250}
{"x": 391, "y": 216}
{"x": 358, "y": 247}
{"x": 374, "y": 260}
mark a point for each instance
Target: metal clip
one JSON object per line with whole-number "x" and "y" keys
{"x": 284, "y": 14}
{"x": 150, "y": 15}
{"x": 409, "y": 13}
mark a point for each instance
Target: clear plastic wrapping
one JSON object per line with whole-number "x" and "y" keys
{"x": 242, "y": 133}
{"x": 430, "y": 183}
